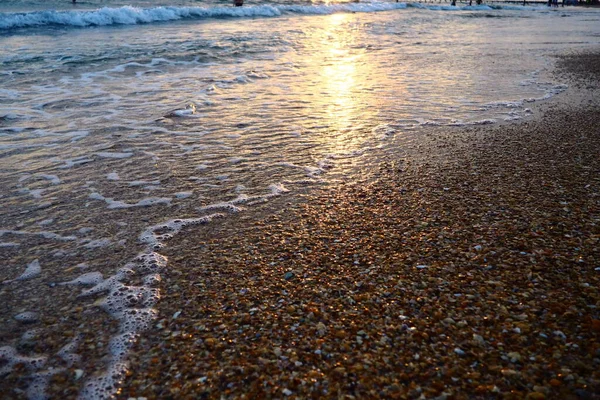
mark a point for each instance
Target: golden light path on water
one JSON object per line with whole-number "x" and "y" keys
{"x": 340, "y": 90}
{"x": 340, "y": 77}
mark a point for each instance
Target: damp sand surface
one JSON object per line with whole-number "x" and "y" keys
{"x": 467, "y": 268}
{"x": 464, "y": 265}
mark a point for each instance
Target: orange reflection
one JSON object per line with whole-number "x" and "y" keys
{"x": 340, "y": 79}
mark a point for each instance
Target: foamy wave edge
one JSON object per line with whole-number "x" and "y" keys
{"x": 129, "y": 15}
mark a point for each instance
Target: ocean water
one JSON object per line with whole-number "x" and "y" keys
{"x": 124, "y": 122}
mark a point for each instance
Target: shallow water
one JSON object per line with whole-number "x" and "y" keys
{"x": 119, "y": 127}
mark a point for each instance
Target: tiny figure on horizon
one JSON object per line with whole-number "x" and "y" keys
{"x": 479, "y": 2}
{"x": 470, "y": 2}
{"x": 238, "y": 3}
{"x": 555, "y": 3}
{"x": 453, "y": 3}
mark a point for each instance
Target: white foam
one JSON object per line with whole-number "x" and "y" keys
{"x": 183, "y": 195}
{"x": 171, "y": 228}
{"x": 505, "y": 104}
{"x": 384, "y": 131}
{"x": 131, "y": 306}
{"x": 33, "y": 270}
{"x": 36, "y": 193}
{"x": 106, "y": 284}
{"x": 487, "y": 121}
{"x": 512, "y": 117}
{"x": 77, "y": 135}
{"x": 24, "y": 177}
{"x": 94, "y": 244}
{"x": 55, "y": 180}
{"x": 104, "y": 385}
{"x": 152, "y": 279}
{"x": 75, "y": 162}
{"x": 113, "y": 176}
{"x": 85, "y": 230}
{"x": 326, "y": 163}
{"x": 132, "y": 15}
{"x": 188, "y": 111}
{"x": 67, "y": 352}
{"x": 142, "y": 183}
{"x": 44, "y": 234}
{"x": 311, "y": 172}
{"x": 146, "y": 202}
{"x": 226, "y": 206}
{"x": 90, "y": 278}
{"x": 39, "y": 383}
{"x": 428, "y": 122}
{"x": 120, "y": 300}
{"x": 27, "y": 317}
{"x": 277, "y": 189}
{"x": 31, "y": 334}
{"x": 107, "y": 154}
{"x": 9, "y": 244}
{"x": 11, "y": 357}
{"x": 82, "y": 266}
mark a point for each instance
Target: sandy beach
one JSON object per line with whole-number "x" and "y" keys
{"x": 467, "y": 266}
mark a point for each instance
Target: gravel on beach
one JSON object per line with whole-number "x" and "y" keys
{"x": 467, "y": 268}
{"x": 464, "y": 265}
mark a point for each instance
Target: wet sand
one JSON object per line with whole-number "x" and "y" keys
{"x": 466, "y": 265}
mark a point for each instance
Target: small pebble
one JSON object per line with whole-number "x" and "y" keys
{"x": 459, "y": 351}
{"x": 27, "y": 317}
{"x": 288, "y": 276}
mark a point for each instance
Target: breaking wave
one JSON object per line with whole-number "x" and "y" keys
{"x": 129, "y": 15}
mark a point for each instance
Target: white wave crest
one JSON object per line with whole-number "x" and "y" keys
{"x": 129, "y": 15}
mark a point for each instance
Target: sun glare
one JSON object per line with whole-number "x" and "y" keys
{"x": 340, "y": 78}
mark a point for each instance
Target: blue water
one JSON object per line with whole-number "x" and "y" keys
{"x": 124, "y": 124}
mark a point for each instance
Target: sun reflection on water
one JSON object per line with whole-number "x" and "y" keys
{"x": 339, "y": 91}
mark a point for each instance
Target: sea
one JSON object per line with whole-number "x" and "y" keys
{"x": 123, "y": 124}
